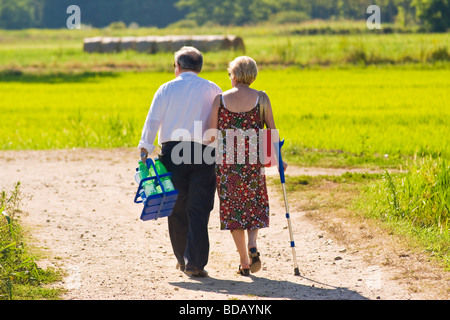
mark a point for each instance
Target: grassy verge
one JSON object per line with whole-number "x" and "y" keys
{"x": 412, "y": 205}
{"x": 415, "y": 203}
{"x": 322, "y": 158}
{"x": 20, "y": 276}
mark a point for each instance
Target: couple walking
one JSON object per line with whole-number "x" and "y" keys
{"x": 244, "y": 205}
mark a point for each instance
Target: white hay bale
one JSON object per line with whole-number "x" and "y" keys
{"x": 128, "y": 43}
{"x": 215, "y": 43}
{"x": 143, "y": 44}
{"x": 92, "y": 45}
{"x": 163, "y": 44}
{"x": 110, "y": 44}
{"x": 197, "y": 42}
{"x": 237, "y": 43}
{"x": 179, "y": 41}
{"x": 169, "y": 43}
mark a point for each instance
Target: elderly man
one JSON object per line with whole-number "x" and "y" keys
{"x": 183, "y": 105}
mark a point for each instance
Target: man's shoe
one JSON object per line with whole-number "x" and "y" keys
{"x": 196, "y": 272}
{"x": 182, "y": 267}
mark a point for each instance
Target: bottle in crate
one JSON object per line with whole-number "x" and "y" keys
{"x": 166, "y": 181}
{"x": 158, "y": 204}
{"x": 153, "y": 174}
{"x": 149, "y": 185}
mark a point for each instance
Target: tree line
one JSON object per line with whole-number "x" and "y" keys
{"x": 432, "y": 15}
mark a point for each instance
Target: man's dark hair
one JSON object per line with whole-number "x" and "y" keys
{"x": 189, "y": 58}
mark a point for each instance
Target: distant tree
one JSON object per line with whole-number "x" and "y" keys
{"x": 18, "y": 14}
{"x": 227, "y": 12}
{"x": 406, "y": 12}
{"x": 324, "y": 9}
{"x": 100, "y": 13}
{"x": 390, "y": 11}
{"x": 434, "y": 14}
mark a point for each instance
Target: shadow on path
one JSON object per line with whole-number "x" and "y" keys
{"x": 266, "y": 288}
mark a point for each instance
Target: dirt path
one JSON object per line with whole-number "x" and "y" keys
{"x": 80, "y": 209}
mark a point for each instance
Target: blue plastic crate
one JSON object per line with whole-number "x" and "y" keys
{"x": 157, "y": 205}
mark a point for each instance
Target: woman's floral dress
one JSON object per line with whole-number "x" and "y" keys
{"x": 241, "y": 186}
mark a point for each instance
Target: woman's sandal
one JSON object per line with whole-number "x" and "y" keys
{"x": 244, "y": 271}
{"x": 255, "y": 265}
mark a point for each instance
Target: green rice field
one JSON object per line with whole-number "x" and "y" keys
{"x": 363, "y": 111}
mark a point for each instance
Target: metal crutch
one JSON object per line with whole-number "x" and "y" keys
{"x": 281, "y": 172}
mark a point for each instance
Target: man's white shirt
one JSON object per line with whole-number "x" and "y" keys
{"x": 180, "y": 110}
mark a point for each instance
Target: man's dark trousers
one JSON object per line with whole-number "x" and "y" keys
{"x": 195, "y": 181}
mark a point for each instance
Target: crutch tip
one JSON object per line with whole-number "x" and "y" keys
{"x": 296, "y": 272}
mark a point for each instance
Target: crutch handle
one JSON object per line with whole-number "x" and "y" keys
{"x": 280, "y": 161}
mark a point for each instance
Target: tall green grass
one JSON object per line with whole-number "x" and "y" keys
{"x": 416, "y": 203}
{"x": 20, "y": 277}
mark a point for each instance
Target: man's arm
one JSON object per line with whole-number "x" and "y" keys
{"x": 151, "y": 126}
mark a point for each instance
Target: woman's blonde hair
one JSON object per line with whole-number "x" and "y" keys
{"x": 243, "y": 69}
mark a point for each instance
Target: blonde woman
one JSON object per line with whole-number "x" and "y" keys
{"x": 244, "y": 203}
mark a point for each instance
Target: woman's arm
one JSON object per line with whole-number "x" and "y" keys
{"x": 213, "y": 125}
{"x": 269, "y": 120}
{"x": 268, "y": 114}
